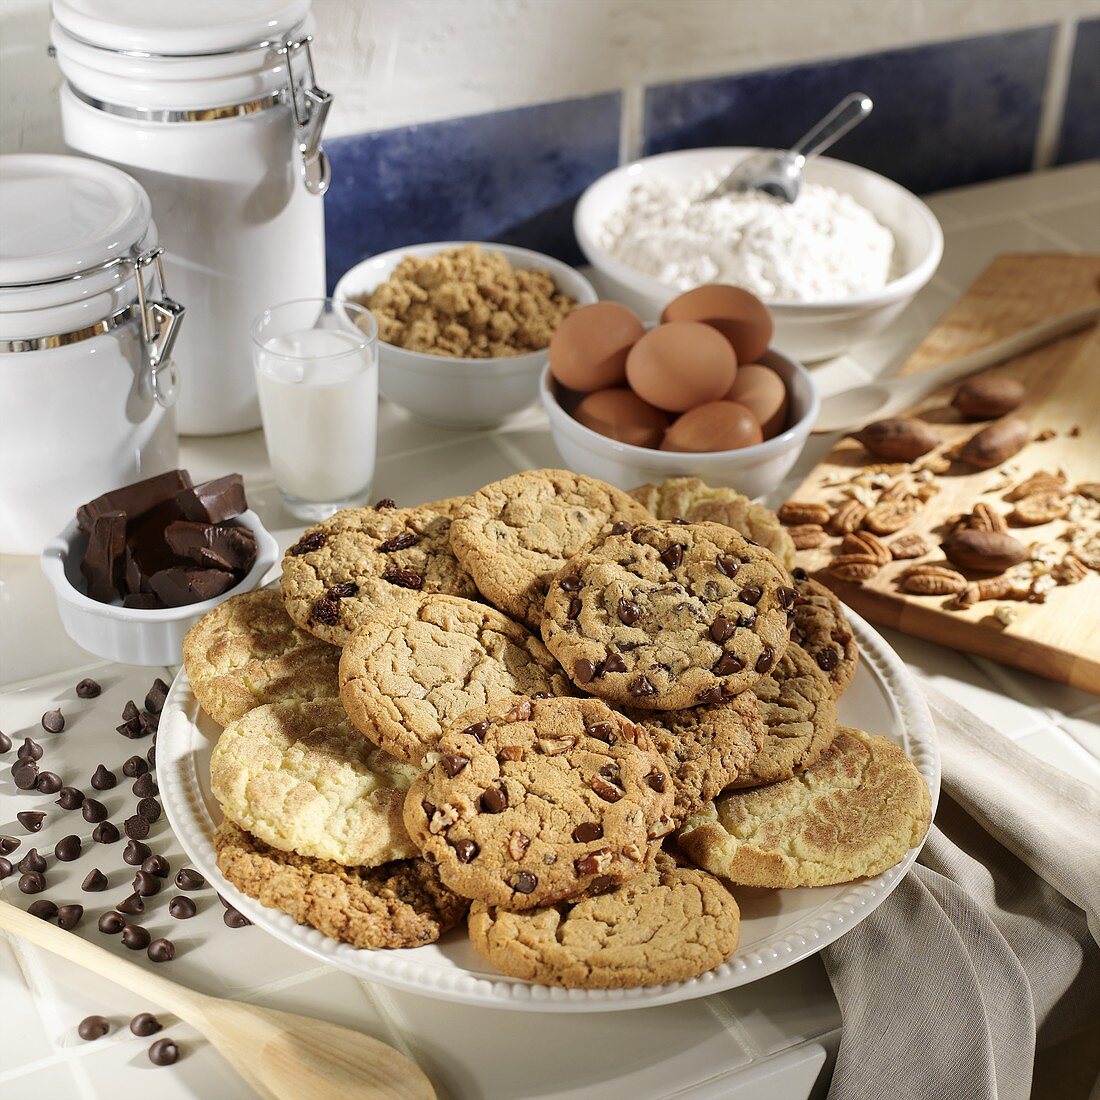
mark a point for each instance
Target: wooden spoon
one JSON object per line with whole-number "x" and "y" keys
{"x": 282, "y": 1055}
{"x": 877, "y": 400}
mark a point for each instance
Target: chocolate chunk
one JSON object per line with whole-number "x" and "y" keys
{"x": 179, "y": 586}
{"x": 161, "y": 951}
{"x": 584, "y": 671}
{"x": 31, "y": 749}
{"x": 494, "y": 801}
{"x": 67, "y": 848}
{"x": 145, "y": 1024}
{"x": 111, "y": 923}
{"x": 524, "y": 883}
{"x": 134, "y": 767}
{"x": 164, "y": 1052}
{"x": 142, "y": 601}
{"x": 213, "y": 501}
{"x": 314, "y": 540}
{"x": 785, "y": 596}
{"x": 570, "y": 582}
{"x": 722, "y": 629}
{"x": 587, "y": 831}
{"x": 32, "y": 861}
{"x": 136, "y": 827}
{"x": 5, "y": 742}
{"x": 5, "y": 867}
{"x": 231, "y": 918}
{"x": 25, "y": 774}
{"x": 145, "y": 786}
{"x": 231, "y": 547}
{"x": 628, "y": 611}
{"x": 727, "y": 665}
{"x": 727, "y": 566}
{"x": 135, "y": 853}
{"x": 601, "y": 884}
{"x": 87, "y": 689}
{"x": 189, "y": 879}
{"x": 156, "y": 865}
{"x": 657, "y": 780}
{"x": 149, "y": 809}
{"x": 751, "y": 594}
{"x": 709, "y": 696}
{"x": 766, "y": 659}
{"x": 8, "y": 844}
{"x": 477, "y": 730}
{"x": 135, "y": 937}
{"x": 32, "y": 883}
{"x": 69, "y": 916}
{"x": 403, "y": 578}
{"x": 453, "y": 763}
{"x": 673, "y": 555}
{"x": 94, "y": 881}
{"x": 48, "y": 783}
{"x": 103, "y": 564}
{"x": 620, "y": 527}
{"x": 43, "y": 909}
{"x": 574, "y": 608}
{"x": 827, "y": 659}
{"x": 131, "y": 905}
{"x": 613, "y": 662}
{"x": 602, "y": 731}
{"x": 145, "y": 884}
{"x": 134, "y": 500}
{"x": 641, "y": 687}
{"x": 399, "y": 542}
{"x": 93, "y": 1027}
{"x": 92, "y": 810}
{"x": 182, "y": 908}
{"x": 31, "y": 820}
{"x": 105, "y": 833}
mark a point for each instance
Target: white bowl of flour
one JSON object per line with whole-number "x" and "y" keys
{"x": 835, "y": 267}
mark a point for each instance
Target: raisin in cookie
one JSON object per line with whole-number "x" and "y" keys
{"x": 540, "y": 800}
{"x": 691, "y": 499}
{"x": 821, "y": 628}
{"x": 402, "y": 904}
{"x": 300, "y": 778}
{"x": 339, "y": 573}
{"x": 416, "y": 666}
{"x": 248, "y": 651}
{"x": 665, "y": 925}
{"x": 707, "y": 747}
{"x": 515, "y": 534}
{"x": 799, "y": 714}
{"x": 669, "y": 616}
{"x": 853, "y": 813}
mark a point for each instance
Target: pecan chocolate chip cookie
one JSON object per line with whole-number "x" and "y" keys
{"x": 248, "y": 651}
{"x": 339, "y": 573}
{"x": 799, "y": 714}
{"x": 855, "y": 812}
{"x": 417, "y": 665}
{"x": 539, "y": 800}
{"x": 821, "y": 628}
{"x": 665, "y": 925}
{"x": 669, "y": 616}
{"x": 402, "y": 904}
{"x": 515, "y": 534}
{"x": 707, "y": 747}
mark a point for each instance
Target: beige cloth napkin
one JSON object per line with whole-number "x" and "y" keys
{"x": 979, "y": 977}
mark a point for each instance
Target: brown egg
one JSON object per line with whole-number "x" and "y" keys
{"x": 763, "y": 393}
{"x": 739, "y": 316}
{"x": 717, "y": 426}
{"x": 681, "y": 365}
{"x": 588, "y": 349}
{"x": 621, "y": 414}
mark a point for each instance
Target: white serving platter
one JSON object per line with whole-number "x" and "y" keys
{"x": 778, "y": 927}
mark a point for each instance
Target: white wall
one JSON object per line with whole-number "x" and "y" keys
{"x": 391, "y": 62}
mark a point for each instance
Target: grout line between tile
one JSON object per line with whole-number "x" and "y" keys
{"x": 288, "y": 981}
{"x": 1055, "y": 90}
{"x": 1051, "y": 234}
{"x": 734, "y": 1028}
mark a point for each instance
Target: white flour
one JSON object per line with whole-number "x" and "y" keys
{"x": 824, "y": 247}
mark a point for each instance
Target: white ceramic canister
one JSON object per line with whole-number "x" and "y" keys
{"x": 212, "y": 106}
{"x": 86, "y": 334}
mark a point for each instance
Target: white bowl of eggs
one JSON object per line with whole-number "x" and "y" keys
{"x": 701, "y": 393}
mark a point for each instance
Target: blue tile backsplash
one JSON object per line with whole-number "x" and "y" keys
{"x": 1081, "y": 122}
{"x": 946, "y": 114}
{"x": 511, "y": 176}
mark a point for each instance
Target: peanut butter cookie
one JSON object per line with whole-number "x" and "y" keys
{"x": 822, "y": 629}
{"x": 669, "y": 924}
{"x": 399, "y": 905}
{"x": 515, "y": 534}
{"x": 538, "y": 800}
{"x": 669, "y": 615}
{"x": 853, "y": 813}
{"x": 248, "y": 651}
{"x": 417, "y": 665}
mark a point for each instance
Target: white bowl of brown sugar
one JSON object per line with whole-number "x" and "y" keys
{"x": 464, "y": 326}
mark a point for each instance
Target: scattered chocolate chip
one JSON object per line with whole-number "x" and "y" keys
{"x": 67, "y": 848}
{"x": 43, "y": 909}
{"x": 70, "y": 798}
{"x": 453, "y": 763}
{"x": 148, "y": 809}
{"x": 105, "y": 833}
{"x": 131, "y": 729}
{"x": 584, "y": 671}
{"x": 494, "y": 801}
{"x": 658, "y": 781}
{"x": 641, "y": 687}
{"x": 32, "y": 861}
{"x": 403, "y": 578}
{"x": 134, "y": 767}
{"x": 189, "y": 879}
{"x": 32, "y": 883}
{"x": 136, "y": 827}
{"x": 673, "y": 556}
{"x": 524, "y": 883}
{"x": 111, "y": 923}
{"x": 87, "y": 689}
{"x": 722, "y": 629}
{"x": 131, "y": 906}
{"x": 477, "y": 731}
{"x": 613, "y": 662}
{"x": 233, "y": 919}
{"x": 146, "y": 885}
{"x": 31, "y": 820}
{"x": 587, "y": 831}
{"x": 314, "y": 540}
{"x": 574, "y": 608}
{"x": 385, "y": 502}
{"x": 751, "y": 594}
{"x": 29, "y": 750}
{"x": 8, "y": 844}
{"x": 570, "y": 582}
{"x": 103, "y": 779}
{"x": 145, "y": 786}
{"x": 151, "y": 755}
{"x": 69, "y": 916}
{"x": 766, "y": 659}
{"x": 135, "y": 937}
{"x": 465, "y": 850}
{"x": 5, "y": 742}
{"x": 25, "y": 774}
{"x": 135, "y": 853}
{"x": 154, "y": 700}
{"x": 156, "y": 865}
{"x": 164, "y": 1052}
{"x": 628, "y": 611}
{"x": 182, "y": 908}
{"x": 727, "y": 566}
{"x": 53, "y": 721}
{"x": 827, "y": 659}
{"x": 727, "y": 665}
{"x": 162, "y": 950}
{"x": 92, "y": 810}
{"x": 145, "y": 1024}
{"x": 93, "y": 1027}
{"x": 94, "y": 881}
{"x": 48, "y": 783}
{"x": 5, "y": 867}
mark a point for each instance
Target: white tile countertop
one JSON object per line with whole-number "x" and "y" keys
{"x": 767, "y": 1041}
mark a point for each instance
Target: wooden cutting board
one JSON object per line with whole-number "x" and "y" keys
{"x": 1060, "y": 638}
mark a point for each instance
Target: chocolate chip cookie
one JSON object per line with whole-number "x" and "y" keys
{"x": 339, "y": 573}
{"x": 707, "y": 747}
{"x": 669, "y": 616}
{"x": 854, "y": 812}
{"x": 515, "y": 534}
{"x": 538, "y": 800}
{"x": 822, "y": 629}
{"x": 799, "y": 714}
{"x": 665, "y": 925}
{"x": 402, "y": 904}
{"x": 691, "y": 499}
{"x": 417, "y": 665}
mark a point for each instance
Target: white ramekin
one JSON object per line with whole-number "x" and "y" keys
{"x": 753, "y": 471}
{"x": 126, "y": 634}
{"x": 809, "y": 331}
{"x": 459, "y": 393}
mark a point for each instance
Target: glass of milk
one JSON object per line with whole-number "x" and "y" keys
{"x": 316, "y": 363}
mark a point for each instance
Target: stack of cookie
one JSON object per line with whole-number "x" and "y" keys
{"x": 580, "y": 714}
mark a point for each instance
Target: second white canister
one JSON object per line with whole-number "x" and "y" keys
{"x": 213, "y": 108}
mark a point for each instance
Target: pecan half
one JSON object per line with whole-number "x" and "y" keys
{"x": 854, "y": 567}
{"x": 806, "y": 536}
{"x": 890, "y": 516}
{"x": 1039, "y": 482}
{"x": 909, "y": 546}
{"x": 932, "y": 580}
{"x": 864, "y": 542}
{"x": 794, "y": 512}
{"x": 1040, "y": 508}
{"x": 847, "y": 518}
